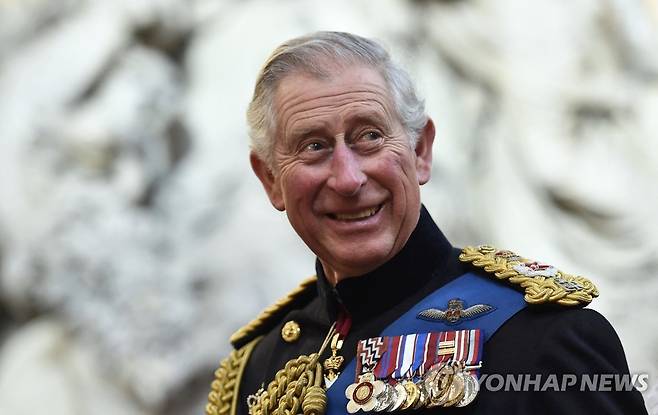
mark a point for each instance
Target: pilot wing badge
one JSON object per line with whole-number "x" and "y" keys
{"x": 455, "y": 313}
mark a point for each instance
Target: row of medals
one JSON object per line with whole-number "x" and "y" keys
{"x": 443, "y": 385}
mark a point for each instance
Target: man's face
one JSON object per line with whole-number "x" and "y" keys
{"x": 344, "y": 170}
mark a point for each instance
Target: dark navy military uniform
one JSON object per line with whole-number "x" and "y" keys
{"x": 538, "y": 340}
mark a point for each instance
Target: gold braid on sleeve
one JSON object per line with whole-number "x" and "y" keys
{"x": 223, "y": 396}
{"x": 542, "y": 283}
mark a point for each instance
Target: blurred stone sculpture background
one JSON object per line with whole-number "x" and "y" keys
{"x": 134, "y": 238}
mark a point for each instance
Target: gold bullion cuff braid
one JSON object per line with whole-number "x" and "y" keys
{"x": 223, "y": 396}
{"x": 271, "y": 312}
{"x": 542, "y": 283}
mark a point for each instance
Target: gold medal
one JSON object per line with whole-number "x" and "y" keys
{"x": 456, "y": 391}
{"x": 333, "y": 363}
{"x": 438, "y": 383}
{"x": 413, "y": 394}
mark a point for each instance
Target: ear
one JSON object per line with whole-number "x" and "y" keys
{"x": 424, "y": 152}
{"x": 269, "y": 180}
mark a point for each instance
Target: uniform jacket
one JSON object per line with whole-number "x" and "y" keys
{"x": 539, "y": 340}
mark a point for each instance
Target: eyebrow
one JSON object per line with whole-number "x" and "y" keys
{"x": 303, "y": 132}
{"x": 360, "y": 117}
{"x": 368, "y": 118}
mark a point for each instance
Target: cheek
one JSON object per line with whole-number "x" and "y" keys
{"x": 393, "y": 172}
{"x": 300, "y": 185}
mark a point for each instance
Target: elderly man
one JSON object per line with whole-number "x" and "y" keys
{"x": 397, "y": 319}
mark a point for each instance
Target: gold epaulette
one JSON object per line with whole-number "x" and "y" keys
{"x": 542, "y": 283}
{"x": 266, "y": 316}
{"x": 223, "y": 396}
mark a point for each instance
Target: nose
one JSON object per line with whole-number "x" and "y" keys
{"x": 347, "y": 176}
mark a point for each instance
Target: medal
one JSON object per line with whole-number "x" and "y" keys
{"x": 415, "y": 371}
{"x": 400, "y": 397}
{"x": 386, "y": 399}
{"x": 366, "y": 393}
{"x": 455, "y": 391}
{"x": 363, "y": 395}
{"x": 423, "y": 397}
{"x": 334, "y": 362}
{"x": 471, "y": 389}
{"x": 440, "y": 387}
{"x": 413, "y": 394}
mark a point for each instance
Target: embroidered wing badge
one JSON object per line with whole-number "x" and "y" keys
{"x": 455, "y": 313}
{"x": 542, "y": 283}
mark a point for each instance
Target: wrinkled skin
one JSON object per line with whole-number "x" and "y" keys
{"x": 344, "y": 169}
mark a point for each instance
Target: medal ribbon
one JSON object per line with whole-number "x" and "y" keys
{"x": 405, "y": 356}
{"x": 381, "y": 370}
{"x": 413, "y": 354}
{"x": 431, "y": 349}
{"x": 388, "y": 362}
{"x": 467, "y": 346}
{"x": 446, "y": 338}
{"x": 419, "y": 352}
{"x": 368, "y": 353}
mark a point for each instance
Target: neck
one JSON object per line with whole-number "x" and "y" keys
{"x": 334, "y": 275}
{"x": 331, "y": 274}
{"x": 402, "y": 275}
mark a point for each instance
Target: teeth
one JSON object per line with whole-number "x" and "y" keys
{"x": 358, "y": 215}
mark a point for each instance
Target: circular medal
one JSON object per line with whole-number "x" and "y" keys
{"x": 440, "y": 386}
{"x": 363, "y": 392}
{"x": 423, "y": 397}
{"x": 413, "y": 393}
{"x": 363, "y": 395}
{"x": 429, "y": 379}
{"x": 400, "y": 397}
{"x": 456, "y": 390}
{"x": 384, "y": 399}
{"x": 471, "y": 389}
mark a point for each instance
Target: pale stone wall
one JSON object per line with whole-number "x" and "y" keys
{"x": 134, "y": 238}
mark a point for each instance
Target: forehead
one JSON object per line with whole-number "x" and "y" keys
{"x": 302, "y": 99}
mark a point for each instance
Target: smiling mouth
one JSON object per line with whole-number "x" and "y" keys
{"x": 363, "y": 214}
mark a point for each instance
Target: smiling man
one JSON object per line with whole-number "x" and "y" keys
{"x": 344, "y": 168}
{"x": 397, "y": 319}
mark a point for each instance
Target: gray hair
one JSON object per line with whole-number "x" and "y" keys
{"x": 309, "y": 55}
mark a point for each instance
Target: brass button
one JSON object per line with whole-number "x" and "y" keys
{"x": 291, "y": 331}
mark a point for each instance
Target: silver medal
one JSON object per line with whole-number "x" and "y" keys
{"x": 471, "y": 389}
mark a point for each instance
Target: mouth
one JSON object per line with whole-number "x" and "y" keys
{"x": 356, "y": 216}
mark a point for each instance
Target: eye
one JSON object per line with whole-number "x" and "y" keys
{"x": 313, "y": 146}
{"x": 371, "y": 136}
{"x": 369, "y": 140}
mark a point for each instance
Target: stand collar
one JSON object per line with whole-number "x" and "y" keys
{"x": 388, "y": 285}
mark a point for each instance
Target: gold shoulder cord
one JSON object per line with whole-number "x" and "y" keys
{"x": 297, "y": 386}
{"x": 223, "y": 396}
{"x": 541, "y": 283}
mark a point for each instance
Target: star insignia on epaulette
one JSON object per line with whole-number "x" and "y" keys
{"x": 455, "y": 313}
{"x": 542, "y": 283}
